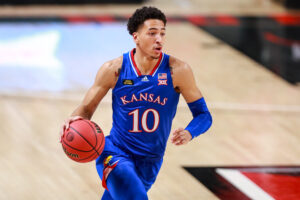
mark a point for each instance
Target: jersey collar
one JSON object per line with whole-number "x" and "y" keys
{"x": 136, "y": 69}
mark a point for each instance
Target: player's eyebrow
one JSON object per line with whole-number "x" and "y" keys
{"x": 157, "y": 29}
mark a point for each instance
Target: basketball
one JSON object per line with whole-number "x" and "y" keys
{"x": 83, "y": 141}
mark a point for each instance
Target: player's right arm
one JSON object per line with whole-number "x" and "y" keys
{"x": 106, "y": 79}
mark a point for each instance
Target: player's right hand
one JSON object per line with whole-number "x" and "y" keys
{"x": 67, "y": 123}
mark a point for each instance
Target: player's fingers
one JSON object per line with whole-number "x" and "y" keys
{"x": 67, "y": 124}
{"x": 176, "y": 132}
{"x": 75, "y": 118}
{"x": 173, "y": 135}
{"x": 183, "y": 138}
{"x": 178, "y": 139}
{"x": 179, "y": 130}
{"x": 174, "y": 138}
{"x": 178, "y": 135}
{"x": 70, "y": 120}
{"x": 182, "y": 141}
{"x": 185, "y": 141}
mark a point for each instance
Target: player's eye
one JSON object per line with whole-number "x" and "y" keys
{"x": 152, "y": 33}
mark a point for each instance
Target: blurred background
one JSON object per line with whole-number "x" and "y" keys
{"x": 245, "y": 56}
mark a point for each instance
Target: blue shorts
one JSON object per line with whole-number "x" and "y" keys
{"x": 123, "y": 175}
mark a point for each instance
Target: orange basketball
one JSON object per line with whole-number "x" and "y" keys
{"x": 83, "y": 141}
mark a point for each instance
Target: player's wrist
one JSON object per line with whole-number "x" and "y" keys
{"x": 188, "y": 134}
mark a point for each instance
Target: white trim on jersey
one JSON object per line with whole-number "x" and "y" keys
{"x": 132, "y": 65}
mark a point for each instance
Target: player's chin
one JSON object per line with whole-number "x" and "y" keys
{"x": 156, "y": 54}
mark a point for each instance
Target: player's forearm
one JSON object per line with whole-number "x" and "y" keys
{"x": 90, "y": 102}
{"x": 202, "y": 119}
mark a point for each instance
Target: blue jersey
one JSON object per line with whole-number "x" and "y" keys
{"x": 143, "y": 108}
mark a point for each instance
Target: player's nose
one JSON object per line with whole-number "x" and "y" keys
{"x": 158, "y": 39}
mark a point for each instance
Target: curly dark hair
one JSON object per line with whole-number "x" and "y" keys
{"x": 143, "y": 14}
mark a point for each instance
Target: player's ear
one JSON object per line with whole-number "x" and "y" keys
{"x": 135, "y": 37}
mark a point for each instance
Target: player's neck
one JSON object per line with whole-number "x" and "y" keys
{"x": 144, "y": 62}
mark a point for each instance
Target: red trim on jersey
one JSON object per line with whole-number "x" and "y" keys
{"x": 137, "y": 69}
{"x": 134, "y": 64}
{"x": 157, "y": 64}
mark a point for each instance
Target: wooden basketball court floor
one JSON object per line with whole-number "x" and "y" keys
{"x": 256, "y": 118}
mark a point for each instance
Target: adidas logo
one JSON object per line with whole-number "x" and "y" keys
{"x": 145, "y": 79}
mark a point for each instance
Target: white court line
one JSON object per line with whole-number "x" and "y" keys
{"x": 244, "y": 184}
{"x": 211, "y": 105}
{"x": 254, "y": 107}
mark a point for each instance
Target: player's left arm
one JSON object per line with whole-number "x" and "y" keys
{"x": 184, "y": 82}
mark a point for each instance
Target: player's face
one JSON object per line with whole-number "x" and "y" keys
{"x": 150, "y": 37}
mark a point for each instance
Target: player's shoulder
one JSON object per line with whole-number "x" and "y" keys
{"x": 109, "y": 71}
{"x": 178, "y": 66}
{"x": 113, "y": 64}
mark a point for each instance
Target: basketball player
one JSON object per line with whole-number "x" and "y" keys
{"x": 146, "y": 84}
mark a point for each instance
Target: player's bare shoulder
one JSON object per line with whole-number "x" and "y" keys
{"x": 113, "y": 66}
{"x": 110, "y": 71}
{"x": 178, "y": 65}
{"x": 179, "y": 70}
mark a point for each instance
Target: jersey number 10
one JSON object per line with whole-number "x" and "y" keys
{"x": 135, "y": 127}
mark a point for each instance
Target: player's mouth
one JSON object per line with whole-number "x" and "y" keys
{"x": 157, "y": 49}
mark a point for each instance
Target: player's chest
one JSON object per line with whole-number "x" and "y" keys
{"x": 144, "y": 90}
{"x": 160, "y": 83}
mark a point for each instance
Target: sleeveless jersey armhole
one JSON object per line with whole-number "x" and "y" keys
{"x": 119, "y": 77}
{"x": 168, "y": 64}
